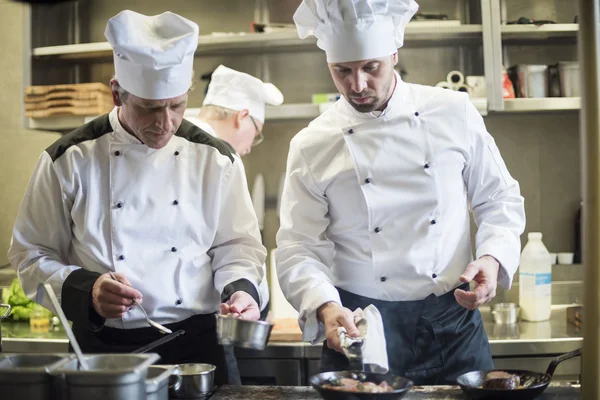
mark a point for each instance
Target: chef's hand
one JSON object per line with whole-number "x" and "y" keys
{"x": 333, "y": 315}
{"x": 243, "y": 305}
{"x": 484, "y": 272}
{"x": 112, "y": 299}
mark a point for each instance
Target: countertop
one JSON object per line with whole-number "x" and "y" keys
{"x": 554, "y": 392}
{"x": 551, "y": 337}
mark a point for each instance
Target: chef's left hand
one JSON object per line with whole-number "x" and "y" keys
{"x": 243, "y": 305}
{"x": 484, "y": 272}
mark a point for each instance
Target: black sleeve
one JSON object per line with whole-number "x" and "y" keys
{"x": 76, "y": 299}
{"x": 243, "y": 285}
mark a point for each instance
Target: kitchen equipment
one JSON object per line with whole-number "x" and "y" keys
{"x": 400, "y": 385}
{"x": 505, "y": 313}
{"x": 471, "y": 382}
{"x": 530, "y": 81}
{"x": 569, "y": 79}
{"x": 3, "y": 316}
{"x": 456, "y": 78}
{"x": 66, "y": 326}
{"x": 25, "y": 375}
{"x": 192, "y": 381}
{"x": 565, "y": 258}
{"x": 157, "y": 382}
{"x": 243, "y": 333}
{"x": 158, "y": 326}
{"x": 158, "y": 342}
{"x": 45, "y": 101}
{"x": 110, "y": 377}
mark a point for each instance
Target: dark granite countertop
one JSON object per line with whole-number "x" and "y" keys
{"x": 554, "y": 392}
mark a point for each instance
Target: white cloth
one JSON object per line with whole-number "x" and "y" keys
{"x": 374, "y": 350}
{"x": 263, "y": 287}
{"x": 379, "y": 206}
{"x": 153, "y": 55}
{"x": 188, "y": 251}
{"x": 237, "y": 91}
{"x": 353, "y": 30}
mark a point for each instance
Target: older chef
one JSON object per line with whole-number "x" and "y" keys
{"x": 376, "y": 203}
{"x": 148, "y": 195}
{"x": 234, "y": 111}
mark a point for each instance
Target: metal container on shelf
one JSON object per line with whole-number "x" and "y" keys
{"x": 110, "y": 377}
{"x": 26, "y": 376}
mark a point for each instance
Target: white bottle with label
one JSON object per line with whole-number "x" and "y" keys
{"x": 535, "y": 280}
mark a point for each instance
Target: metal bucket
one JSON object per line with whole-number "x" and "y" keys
{"x": 110, "y": 377}
{"x": 25, "y": 376}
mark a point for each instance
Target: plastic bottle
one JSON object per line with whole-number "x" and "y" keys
{"x": 535, "y": 280}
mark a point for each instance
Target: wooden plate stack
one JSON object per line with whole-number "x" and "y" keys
{"x": 70, "y": 99}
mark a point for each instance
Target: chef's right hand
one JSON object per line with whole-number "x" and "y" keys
{"x": 333, "y": 315}
{"x": 112, "y": 299}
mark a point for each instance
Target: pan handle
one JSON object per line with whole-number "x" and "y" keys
{"x": 559, "y": 359}
{"x": 159, "y": 342}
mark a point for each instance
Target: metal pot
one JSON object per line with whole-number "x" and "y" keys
{"x": 157, "y": 382}
{"x": 25, "y": 376}
{"x": 242, "y": 332}
{"x": 190, "y": 381}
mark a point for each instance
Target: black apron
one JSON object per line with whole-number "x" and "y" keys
{"x": 198, "y": 345}
{"x": 430, "y": 341}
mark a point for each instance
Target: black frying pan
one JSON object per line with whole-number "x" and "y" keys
{"x": 400, "y": 384}
{"x": 471, "y": 382}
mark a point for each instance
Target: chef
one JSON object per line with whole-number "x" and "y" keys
{"x": 376, "y": 203}
{"x": 234, "y": 111}
{"x": 145, "y": 194}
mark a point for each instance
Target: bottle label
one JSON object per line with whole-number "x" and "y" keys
{"x": 535, "y": 285}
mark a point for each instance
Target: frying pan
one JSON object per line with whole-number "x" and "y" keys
{"x": 400, "y": 384}
{"x": 471, "y": 382}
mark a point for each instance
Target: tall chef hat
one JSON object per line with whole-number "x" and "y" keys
{"x": 153, "y": 55}
{"x": 353, "y": 30}
{"x": 237, "y": 91}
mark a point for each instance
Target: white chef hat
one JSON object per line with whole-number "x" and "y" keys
{"x": 237, "y": 91}
{"x": 353, "y": 30}
{"x": 153, "y": 55}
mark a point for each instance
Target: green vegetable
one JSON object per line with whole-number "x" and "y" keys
{"x": 22, "y": 307}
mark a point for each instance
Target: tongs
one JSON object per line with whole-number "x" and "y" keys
{"x": 352, "y": 347}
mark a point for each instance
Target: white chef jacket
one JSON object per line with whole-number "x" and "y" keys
{"x": 177, "y": 221}
{"x": 378, "y": 205}
{"x": 263, "y": 288}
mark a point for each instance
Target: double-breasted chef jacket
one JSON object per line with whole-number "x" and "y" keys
{"x": 377, "y": 204}
{"x": 178, "y": 222}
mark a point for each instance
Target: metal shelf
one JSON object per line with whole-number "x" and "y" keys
{"x": 255, "y": 42}
{"x": 284, "y": 112}
{"x": 542, "y": 104}
{"x": 533, "y": 32}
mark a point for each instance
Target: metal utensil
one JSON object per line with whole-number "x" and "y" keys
{"x": 66, "y": 326}
{"x": 243, "y": 332}
{"x": 152, "y": 323}
{"x": 158, "y": 342}
{"x": 352, "y": 349}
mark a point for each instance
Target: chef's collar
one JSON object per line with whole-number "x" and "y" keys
{"x": 394, "y": 101}
{"x": 118, "y": 131}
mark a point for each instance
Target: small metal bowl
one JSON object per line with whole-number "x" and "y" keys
{"x": 190, "y": 381}
{"x": 505, "y": 313}
{"x": 242, "y": 332}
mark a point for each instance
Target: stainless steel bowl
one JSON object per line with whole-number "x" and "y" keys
{"x": 191, "y": 381}
{"x": 505, "y": 313}
{"x": 242, "y": 332}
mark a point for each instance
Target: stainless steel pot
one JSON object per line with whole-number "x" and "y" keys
{"x": 157, "y": 382}
{"x": 110, "y": 377}
{"x": 25, "y": 376}
{"x": 242, "y": 332}
{"x": 190, "y": 381}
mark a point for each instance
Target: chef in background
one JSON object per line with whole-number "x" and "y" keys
{"x": 234, "y": 111}
{"x": 376, "y": 203}
{"x": 149, "y": 196}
